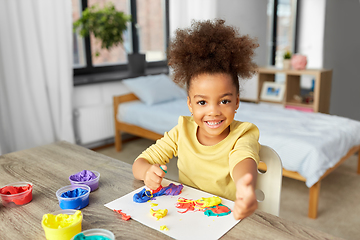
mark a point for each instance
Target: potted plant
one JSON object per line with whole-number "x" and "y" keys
{"x": 286, "y": 60}
{"x": 108, "y": 25}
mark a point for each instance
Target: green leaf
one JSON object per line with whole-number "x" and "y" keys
{"x": 107, "y": 24}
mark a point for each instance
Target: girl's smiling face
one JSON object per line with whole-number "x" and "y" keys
{"x": 213, "y": 100}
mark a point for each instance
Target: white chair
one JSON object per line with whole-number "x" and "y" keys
{"x": 268, "y": 186}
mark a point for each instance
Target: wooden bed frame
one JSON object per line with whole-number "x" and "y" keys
{"x": 141, "y": 132}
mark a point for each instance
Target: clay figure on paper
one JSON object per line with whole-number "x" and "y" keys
{"x": 216, "y": 153}
{"x": 210, "y": 206}
{"x": 146, "y": 195}
{"x": 160, "y": 213}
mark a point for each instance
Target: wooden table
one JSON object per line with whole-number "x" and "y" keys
{"x": 48, "y": 168}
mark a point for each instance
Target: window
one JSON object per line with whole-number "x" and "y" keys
{"x": 282, "y": 15}
{"x": 117, "y": 54}
{"x": 148, "y": 34}
{"x": 78, "y": 42}
{"x": 152, "y": 29}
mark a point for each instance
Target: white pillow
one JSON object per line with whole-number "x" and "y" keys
{"x": 154, "y": 89}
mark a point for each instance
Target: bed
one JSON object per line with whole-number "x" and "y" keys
{"x": 299, "y": 138}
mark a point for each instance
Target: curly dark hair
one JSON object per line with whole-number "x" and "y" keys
{"x": 211, "y": 47}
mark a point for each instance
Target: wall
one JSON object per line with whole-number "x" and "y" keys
{"x": 250, "y": 17}
{"x": 341, "y": 53}
{"x": 329, "y": 35}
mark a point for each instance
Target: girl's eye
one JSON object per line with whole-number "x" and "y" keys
{"x": 225, "y": 101}
{"x": 201, "y": 102}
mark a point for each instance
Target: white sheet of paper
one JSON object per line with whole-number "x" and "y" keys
{"x": 189, "y": 225}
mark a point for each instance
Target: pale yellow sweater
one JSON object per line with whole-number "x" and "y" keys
{"x": 208, "y": 168}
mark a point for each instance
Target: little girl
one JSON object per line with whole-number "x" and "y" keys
{"x": 215, "y": 153}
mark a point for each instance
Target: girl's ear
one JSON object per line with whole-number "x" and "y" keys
{"x": 189, "y": 104}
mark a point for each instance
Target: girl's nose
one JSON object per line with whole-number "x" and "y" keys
{"x": 214, "y": 110}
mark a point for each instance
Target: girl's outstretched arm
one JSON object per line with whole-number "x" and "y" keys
{"x": 245, "y": 176}
{"x": 151, "y": 174}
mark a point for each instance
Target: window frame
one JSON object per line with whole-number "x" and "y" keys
{"x": 91, "y": 69}
{"x": 274, "y": 31}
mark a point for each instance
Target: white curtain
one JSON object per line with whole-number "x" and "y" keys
{"x": 35, "y": 73}
{"x": 182, "y": 12}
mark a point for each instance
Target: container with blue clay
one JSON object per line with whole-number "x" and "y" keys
{"x": 73, "y": 196}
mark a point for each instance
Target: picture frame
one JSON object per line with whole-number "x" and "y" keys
{"x": 272, "y": 91}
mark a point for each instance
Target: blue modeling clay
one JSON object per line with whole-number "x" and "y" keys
{"x": 74, "y": 199}
{"x": 74, "y": 193}
{"x": 146, "y": 195}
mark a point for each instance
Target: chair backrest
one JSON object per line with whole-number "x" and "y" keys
{"x": 268, "y": 186}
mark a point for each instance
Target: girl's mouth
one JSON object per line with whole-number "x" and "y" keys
{"x": 213, "y": 124}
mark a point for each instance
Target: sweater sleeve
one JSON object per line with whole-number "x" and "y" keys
{"x": 247, "y": 146}
{"x": 164, "y": 149}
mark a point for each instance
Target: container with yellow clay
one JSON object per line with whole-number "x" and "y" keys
{"x": 62, "y": 225}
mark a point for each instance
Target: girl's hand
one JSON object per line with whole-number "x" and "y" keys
{"x": 154, "y": 176}
{"x": 245, "y": 203}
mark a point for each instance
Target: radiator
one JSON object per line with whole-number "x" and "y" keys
{"x": 93, "y": 124}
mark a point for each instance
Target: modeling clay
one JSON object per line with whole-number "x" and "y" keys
{"x": 158, "y": 213}
{"x": 74, "y": 193}
{"x": 9, "y": 190}
{"x": 164, "y": 228}
{"x": 219, "y": 210}
{"x": 157, "y": 190}
{"x": 81, "y": 236}
{"x": 61, "y": 220}
{"x": 24, "y": 194}
{"x": 208, "y": 202}
{"x": 145, "y": 195}
{"x": 83, "y": 176}
{"x": 210, "y": 206}
{"x": 124, "y": 216}
{"x": 74, "y": 199}
{"x": 153, "y": 204}
{"x": 200, "y": 204}
{"x": 187, "y": 204}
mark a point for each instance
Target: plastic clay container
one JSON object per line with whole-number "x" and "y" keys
{"x": 74, "y": 202}
{"x": 93, "y": 183}
{"x": 100, "y": 233}
{"x": 65, "y": 233}
{"x": 17, "y": 199}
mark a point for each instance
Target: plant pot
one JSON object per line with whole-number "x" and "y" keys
{"x": 137, "y": 63}
{"x": 286, "y": 64}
